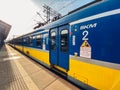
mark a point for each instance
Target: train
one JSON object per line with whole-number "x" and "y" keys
{"x": 83, "y": 45}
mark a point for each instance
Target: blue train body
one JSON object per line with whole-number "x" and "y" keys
{"x": 85, "y": 45}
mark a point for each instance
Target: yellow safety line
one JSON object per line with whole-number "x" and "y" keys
{"x": 29, "y": 82}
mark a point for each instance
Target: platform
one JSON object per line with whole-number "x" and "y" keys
{"x": 18, "y": 72}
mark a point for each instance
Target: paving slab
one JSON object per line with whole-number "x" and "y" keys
{"x": 18, "y": 72}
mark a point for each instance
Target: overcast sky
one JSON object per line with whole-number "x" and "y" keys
{"x": 21, "y": 14}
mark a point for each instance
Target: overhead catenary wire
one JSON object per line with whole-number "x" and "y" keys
{"x": 40, "y": 16}
{"x": 73, "y": 1}
{"x": 66, "y": 5}
{"x": 52, "y": 2}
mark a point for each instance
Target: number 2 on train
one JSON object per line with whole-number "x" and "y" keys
{"x": 85, "y": 34}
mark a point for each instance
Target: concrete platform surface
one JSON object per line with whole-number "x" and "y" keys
{"x": 17, "y": 72}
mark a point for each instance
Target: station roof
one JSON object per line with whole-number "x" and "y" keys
{"x": 4, "y": 29}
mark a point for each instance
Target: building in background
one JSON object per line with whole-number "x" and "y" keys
{"x": 4, "y": 31}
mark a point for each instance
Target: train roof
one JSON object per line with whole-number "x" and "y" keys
{"x": 99, "y": 7}
{"x": 92, "y": 9}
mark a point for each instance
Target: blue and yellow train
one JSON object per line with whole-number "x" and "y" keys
{"x": 85, "y": 45}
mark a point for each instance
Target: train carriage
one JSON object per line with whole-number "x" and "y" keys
{"x": 84, "y": 45}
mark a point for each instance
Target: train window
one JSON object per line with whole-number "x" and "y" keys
{"x": 34, "y": 37}
{"x": 64, "y": 40}
{"x": 30, "y": 40}
{"x": 39, "y": 41}
{"x": 24, "y": 41}
{"x": 53, "y": 41}
{"x": 19, "y": 41}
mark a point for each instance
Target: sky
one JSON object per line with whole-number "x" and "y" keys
{"x": 21, "y": 14}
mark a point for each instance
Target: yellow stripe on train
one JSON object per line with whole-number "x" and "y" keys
{"x": 96, "y": 76}
{"x": 36, "y": 53}
{"x": 100, "y": 77}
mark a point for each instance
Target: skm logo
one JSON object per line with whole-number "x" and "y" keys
{"x": 83, "y": 27}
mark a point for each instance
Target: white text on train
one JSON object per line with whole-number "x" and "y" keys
{"x": 83, "y": 27}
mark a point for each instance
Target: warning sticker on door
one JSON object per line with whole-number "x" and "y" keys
{"x": 85, "y": 50}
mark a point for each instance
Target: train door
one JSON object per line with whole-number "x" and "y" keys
{"x": 59, "y": 52}
{"x": 53, "y": 46}
{"x": 63, "y": 47}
